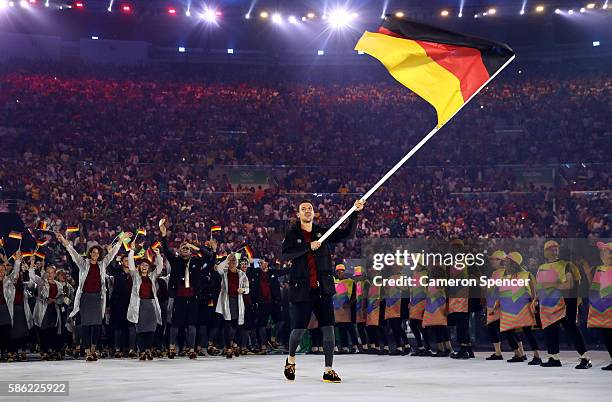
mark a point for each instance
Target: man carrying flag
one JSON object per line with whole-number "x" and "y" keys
{"x": 311, "y": 282}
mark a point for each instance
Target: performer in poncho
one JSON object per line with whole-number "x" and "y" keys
{"x": 600, "y": 298}
{"x": 557, "y": 280}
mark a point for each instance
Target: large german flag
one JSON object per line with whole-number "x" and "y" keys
{"x": 442, "y": 67}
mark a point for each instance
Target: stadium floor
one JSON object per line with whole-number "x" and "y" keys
{"x": 260, "y": 378}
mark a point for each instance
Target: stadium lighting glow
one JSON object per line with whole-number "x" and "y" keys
{"x": 596, "y": 43}
{"x": 3, "y": 4}
{"x": 264, "y": 14}
{"x": 460, "y": 15}
{"x": 492, "y": 11}
{"x": 11, "y": 4}
{"x": 94, "y": 38}
{"x": 292, "y": 19}
{"x": 172, "y": 11}
{"x": 360, "y": 52}
{"x": 444, "y": 13}
{"x": 32, "y": 1}
{"x": 557, "y": 11}
{"x": 310, "y": 15}
{"x": 210, "y": 15}
{"x": 24, "y": 4}
{"x": 247, "y": 16}
{"x": 181, "y": 49}
{"x": 582, "y": 10}
{"x": 277, "y": 18}
{"x": 570, "y": 12}
{"x": 188, "y": 13}
{"x": 399, "y": 14}
{"x": 522, "y": 12}
{"x": 539, "y": 9}
{"x": 340, "y": 18}
{"x": 590, "y": 6}
{"x": 230, "y": 51}
{"x": 605, "y": 5}
{"x": 304, "y": 19}
{"x": 126, "y": 8}
{"x": 320, "y": 52}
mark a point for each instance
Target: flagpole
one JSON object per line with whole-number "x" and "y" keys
{"x": 408, "y": 156}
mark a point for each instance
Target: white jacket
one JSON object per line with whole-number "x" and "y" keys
{"x": 40, "y": 308}
{"x": 83, "y": 265}
{"x": 223, "y": 301}
{"x": 8, "y": 288}
{"x": 134, "y": 307}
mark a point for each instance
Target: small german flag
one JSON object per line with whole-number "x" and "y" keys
{"x": 249, "y": 252}
{"x": 43, "y": 225}
{"x": 444, "y": 68}
{"x": 72, "y": 229}
{"x": 149, "y": 254}
{"x": 141, "y": 232}
{"x": 15, "y": 235}
{"x": 216, "y": 229}
{"x": 42, "y": 243}
{"x": 155, "y": 245}
{"x": 127, "y": 246}
{"x": 40, "y": 255}
{"x": 27, "y": 254}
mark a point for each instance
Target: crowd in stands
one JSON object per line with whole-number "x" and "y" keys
{"x": 112, "y": 149}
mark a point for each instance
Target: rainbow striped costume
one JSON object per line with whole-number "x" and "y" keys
{"x": 418, "y": 296}
{"x": 458, "y": 295}
{"x": 342, "y": 300}
{"x": 436, "y": 311}
{"x": 361, "y": 301}
{"x": 600, "y": 298}
{"x": 373, "y": 308}
{"x": 492, "y": 293}
{"x": 552, "y": 302}
{"x": 515, "y": 304}
{"x": 393, "y": 300}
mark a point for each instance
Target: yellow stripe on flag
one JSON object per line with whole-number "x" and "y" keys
{"x": 409, "y": 64}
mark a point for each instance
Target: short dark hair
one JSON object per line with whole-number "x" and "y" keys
{"x": 304, "y": 201}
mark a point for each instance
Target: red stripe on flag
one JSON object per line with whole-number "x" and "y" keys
{"x": 465, "y": 63}
{"x": 385, "y": 31}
